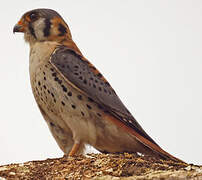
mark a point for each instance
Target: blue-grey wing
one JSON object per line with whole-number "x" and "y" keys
{"x": 82, "y": 74}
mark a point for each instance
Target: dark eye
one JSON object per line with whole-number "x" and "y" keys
{"x": 33, "y": 16}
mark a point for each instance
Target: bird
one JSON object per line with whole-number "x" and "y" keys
{"x": 78, "y": 104}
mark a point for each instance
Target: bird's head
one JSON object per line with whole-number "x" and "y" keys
{"x": 43, "y": 25}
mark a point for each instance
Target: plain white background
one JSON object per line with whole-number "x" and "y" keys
{"x": 150, "y": 52}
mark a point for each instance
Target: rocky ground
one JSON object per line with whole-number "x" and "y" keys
{"x": 100, "y": 167}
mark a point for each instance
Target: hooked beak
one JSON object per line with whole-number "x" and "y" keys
{"x": 18, "y": 28}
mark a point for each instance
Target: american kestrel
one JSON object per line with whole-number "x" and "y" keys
{"x": 77, "y": 102}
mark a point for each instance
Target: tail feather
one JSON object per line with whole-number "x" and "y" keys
{"x": 156, "y": 149}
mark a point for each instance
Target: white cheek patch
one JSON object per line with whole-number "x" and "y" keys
{"x": 39, "y": 27}
{"x": 54, "y": 30}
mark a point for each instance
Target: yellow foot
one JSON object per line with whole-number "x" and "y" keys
{"x": 74, "y": 149}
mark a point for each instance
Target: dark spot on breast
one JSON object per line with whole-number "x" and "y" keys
{"x": 64, "y": 88}
{"x": 62, "y": 103}
{"x": 94, "y": 85}
{"x": 44, "y": 73}
{"x": 46, "y": 30}
{"x": 69, "y": 93}
{"x": 44, "y": 78}
{"x": 52, "y": 124}
{"x": 80, "y": 77}
{"x": 76, "y": 74}
{"x": 54, "y": 74}
{"x": 52, "y": 69}
{"x": 107, "y": 83}
{"x": 105, "y": 90}
{"x": 52, "y": 95}
{"x": 100, "y": 89}
{"x": 88, "y": 106}
{"x": 39, "y": 83}
{"x": 62, "y": 29}
{"x": 79, "y": 97}
{"x": 73, "y": 106}
{"x": 56, "y": 78}
{"x": 48, "y": 92}
{"x": 82, "y": 113}
{"x": 59, "y": 81}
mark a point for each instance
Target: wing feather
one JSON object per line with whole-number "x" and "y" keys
{"x": 82, "y": 75}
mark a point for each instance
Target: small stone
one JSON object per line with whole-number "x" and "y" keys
{"x": 109, "y": 170}
{"x": 12, "y": 173}
{"x": 3, "y": 168}
{"x": 1, "y": 178}
{"x": 188, "y": 168}
{"x": 21, "y": 165}
{"x": 99, "y": 173}
{"x": 199, "y": 170}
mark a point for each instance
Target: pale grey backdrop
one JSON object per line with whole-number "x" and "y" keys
{"x": 150, "y": 51}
